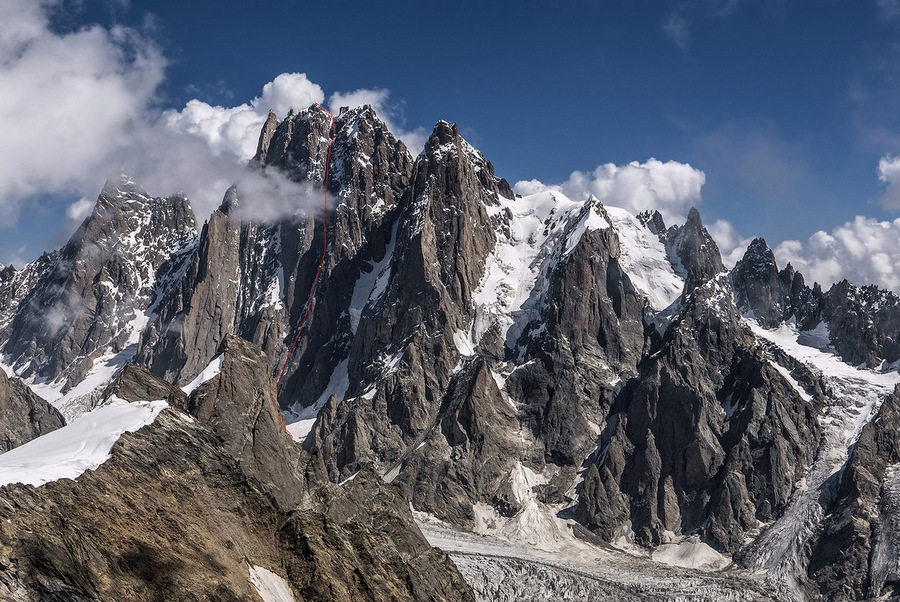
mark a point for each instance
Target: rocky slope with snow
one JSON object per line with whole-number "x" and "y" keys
{"x": 554, "y": 373}
{"x": 215, "y": 504}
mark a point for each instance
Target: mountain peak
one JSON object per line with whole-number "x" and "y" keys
{"x": 652, "y": 220}
{"x": 231, "y": 201}
{"x": 693, "y": 246}
{"x": 759, "y": 254}
{"x": 444, "y": 132}
{"x": 122, "y": 185}
{"x": 694, "y": 217}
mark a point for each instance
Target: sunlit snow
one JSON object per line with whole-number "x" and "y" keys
{"x": 270, "y": 586}
{"x": 82, "y": 445}
{"x": 211, "y": 371}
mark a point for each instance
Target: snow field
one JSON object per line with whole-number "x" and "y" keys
{"x": 85, "y": 444}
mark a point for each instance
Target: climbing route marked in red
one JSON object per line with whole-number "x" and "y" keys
{"x": 312, "y": 289}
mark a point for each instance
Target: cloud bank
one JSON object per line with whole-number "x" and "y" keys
{"x": 79, "y": 106}
{"x": 864, "y": 251}
{"x": 670, "y": 188}
{"x": 68, "y": 99}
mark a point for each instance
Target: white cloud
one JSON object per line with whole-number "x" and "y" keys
{"x": 888, "y": 171}
{"x": 670, "y": 187}
{"x": 678, "y": 28}
{"x": 235, "y": 130}
{"x": 863, "y": 250}
{"x": 80, "y": 209}
{"x": 375, "y": 97}
{"x": 378, "y": 99}
{"x": 69, "y": 100}
{"x": 732, "y": 244}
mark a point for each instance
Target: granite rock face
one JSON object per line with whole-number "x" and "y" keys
{"x": 694, "y": 248}
{"x": 89, "y": 298}
{"x": 708, "y": 439}
{"x": 254, "y": 279}
{"x": 24, "y": 415}
{"x": 185, "y": 506}
{"x": 855, "y": 555}
{"x": 230, "y": 285}
{"x": 425, "y": 394}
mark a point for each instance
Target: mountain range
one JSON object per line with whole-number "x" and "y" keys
{"x": 569, "y": 401}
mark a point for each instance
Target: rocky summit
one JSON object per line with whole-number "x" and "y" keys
{"x": 493, "y": 397}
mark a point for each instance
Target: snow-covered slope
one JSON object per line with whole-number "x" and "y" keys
{"x": 82, "y": 445}
{"x": 645, "y": 260}
{"x": 535, "y": 232}
{"x": 538, "y": 231}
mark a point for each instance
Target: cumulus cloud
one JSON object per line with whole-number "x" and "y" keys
{"x": 889, "y": 172}
{"x": 669, "y": 187}
{"x": 863, "y": 250}
{"x": 732, "y": 244}
{"x": 79, "y": 106}
{"x": 69, "y": 99}
{"x": 235, "y": 130}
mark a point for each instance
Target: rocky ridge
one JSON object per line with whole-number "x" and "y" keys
{"x": 197, "y": 500}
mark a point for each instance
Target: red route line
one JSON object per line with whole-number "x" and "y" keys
{"x": 312, "y": 290}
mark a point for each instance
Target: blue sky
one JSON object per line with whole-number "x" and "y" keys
{"x": 786, "y": 106}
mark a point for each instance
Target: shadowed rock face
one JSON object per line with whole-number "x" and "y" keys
{"x": 253, "y": 279}
{"x": 708, "y": 438}
{"x": 24, "y": 415}
{"x": 185, "y": 504}
{"x": 692, "y": 246}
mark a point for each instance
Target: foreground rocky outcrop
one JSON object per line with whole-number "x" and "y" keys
{"x": 186, "y": 505}
{"x": 23, "y": 414}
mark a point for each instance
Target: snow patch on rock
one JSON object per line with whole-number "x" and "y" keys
{"x": 270, "y": 586}
{"x": 211, "y": 371}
